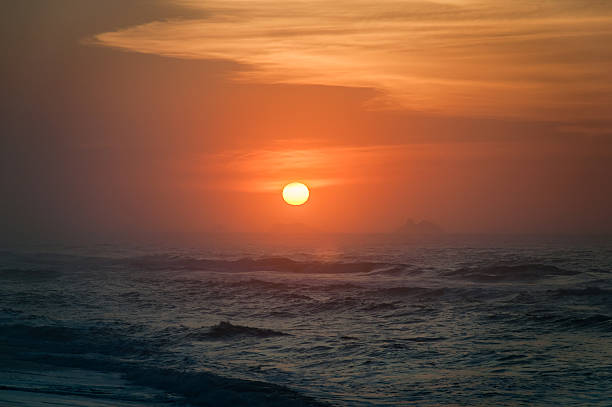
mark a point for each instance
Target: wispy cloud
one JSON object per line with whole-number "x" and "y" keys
{"x": 266, "y": 170}
{"x": 544, "y": 60}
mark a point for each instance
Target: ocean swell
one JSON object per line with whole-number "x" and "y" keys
{"x": 502, "y": 273}
{"x": 279, "y": 264}
{"x": 206, "y": 389}
{"x": 81, "y": 348}
{"x": 226, "y": 330}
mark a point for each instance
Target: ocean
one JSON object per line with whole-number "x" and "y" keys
{"x": 469, "y": 322}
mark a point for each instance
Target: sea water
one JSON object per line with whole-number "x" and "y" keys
{"x": 353, "y": 324}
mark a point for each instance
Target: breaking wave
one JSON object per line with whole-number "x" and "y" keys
{"x": 226, "y": 330}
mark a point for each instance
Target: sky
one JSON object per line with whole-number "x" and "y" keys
{"x": 180, "y": 118}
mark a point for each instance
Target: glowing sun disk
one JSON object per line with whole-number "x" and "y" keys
{"x": 295, "y": 193}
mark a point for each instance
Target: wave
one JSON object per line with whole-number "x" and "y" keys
{"x": 279, "y": 264}
{"x": 418, "y": 292}
{"x": 191, "y": 388}
{"x": 392, "y": 270}
{"x": 556, "y": 322}
{"x": 226, "y": 330}
{"x": 582, "y": 292}
{"x": 490, "y": 273}
{"x": 10, "y": 311}
{"x": 47, "y": 333}
{"x": 161, "y": 262}
{"x": 406, "y": 343}
{"x": 23, "y": 273}
{"x": 258, "y": 284}
{"x": 598, "y": 321}
{"x": 104, "y": 340}
{"x": 84, "y": 349}
{"x": 339, "y": 287}
{"x": 207, "y": 389}
{"x": 293, "y": 290}
{"x": 383, "y": 306}
{"x": 500, "y": 273}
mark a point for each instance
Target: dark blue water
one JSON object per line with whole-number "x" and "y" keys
{"x": 380, "y": 325}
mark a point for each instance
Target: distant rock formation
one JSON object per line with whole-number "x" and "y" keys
{"x": 419, "y": 228}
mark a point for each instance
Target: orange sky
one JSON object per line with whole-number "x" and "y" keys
{"x": 180, "y": 117}
{"x": 520, "y": 59}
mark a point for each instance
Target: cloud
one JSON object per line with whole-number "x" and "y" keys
{"x": 266, "y": 170}
{"x": 545, "y": 60}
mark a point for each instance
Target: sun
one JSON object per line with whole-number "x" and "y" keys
{"x": 296, "y": 193}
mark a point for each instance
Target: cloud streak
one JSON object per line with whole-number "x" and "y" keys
{"x": 266, "y": 170}
{"x": 545, "y": 60}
